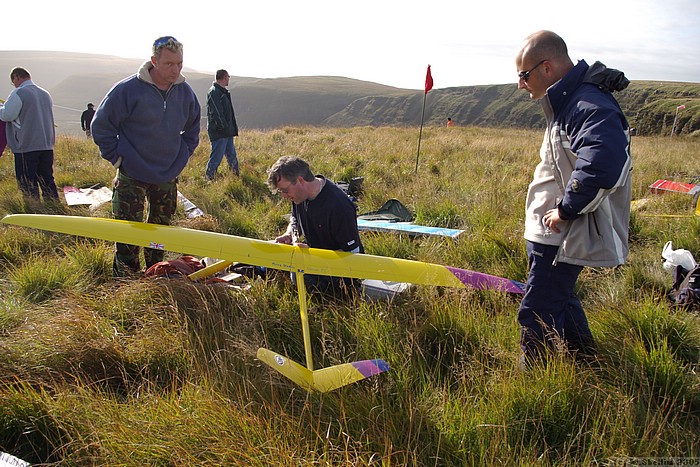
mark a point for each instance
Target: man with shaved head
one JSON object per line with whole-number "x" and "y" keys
{"x": 578, "y": 203}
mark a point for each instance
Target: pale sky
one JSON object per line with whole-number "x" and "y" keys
{"x": 467, "y": 42}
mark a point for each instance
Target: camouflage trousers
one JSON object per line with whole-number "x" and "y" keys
{"x": 128, "y": 199}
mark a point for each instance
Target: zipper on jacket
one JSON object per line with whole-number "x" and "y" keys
{"x": 164, "y": 97}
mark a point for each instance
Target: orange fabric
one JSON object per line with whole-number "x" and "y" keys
{"x": 184, "y": 265}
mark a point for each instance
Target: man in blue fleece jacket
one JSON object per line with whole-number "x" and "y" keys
{"x": 578, "y": 204}
{"x": 147, "y": 127}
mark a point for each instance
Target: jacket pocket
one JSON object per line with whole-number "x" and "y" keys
{"x": 595, "y": 223}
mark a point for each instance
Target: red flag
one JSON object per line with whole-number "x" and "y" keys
{"x": 428, "y": 81}
{"x": 681, "y": 107}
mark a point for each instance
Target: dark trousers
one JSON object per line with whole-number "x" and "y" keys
{"x": 34, "y": 171}
{"x": 550, "y": 311}
{"x": 330, "y": 286}
{"x": 128, "y": 204}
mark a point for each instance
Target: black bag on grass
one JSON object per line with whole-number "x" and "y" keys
{"x": 685, "y": 292}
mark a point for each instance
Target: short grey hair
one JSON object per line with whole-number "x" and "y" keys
{"x": 289, "y": 168}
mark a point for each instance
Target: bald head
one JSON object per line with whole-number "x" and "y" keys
{"x": 545, "y": 45}
{"x": 545, "y": 55}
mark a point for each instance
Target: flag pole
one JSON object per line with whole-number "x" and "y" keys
{"x": 420, "y": 134}
{"x": 673, "y": 128}
{"x": 428, "y": 87}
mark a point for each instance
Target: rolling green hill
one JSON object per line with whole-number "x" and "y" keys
{"x": 650, "y": 107}
{"x": 75, "y": 79}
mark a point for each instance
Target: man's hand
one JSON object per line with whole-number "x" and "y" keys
{"x": 552, "y": 219}
{"x": 285, "y": 239}
{"x": 288, "y": 239}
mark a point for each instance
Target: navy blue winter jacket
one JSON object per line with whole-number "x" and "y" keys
{"x": 585, "y": 169}
{"x": 145, "y": 134}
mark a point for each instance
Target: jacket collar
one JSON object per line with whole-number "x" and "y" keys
{"x": 144, "y": 75}
{"x": 219, "y": 87}
{"x": 561, "y": 91}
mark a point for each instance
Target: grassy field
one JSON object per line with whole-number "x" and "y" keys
{"x": 98, "y": 371}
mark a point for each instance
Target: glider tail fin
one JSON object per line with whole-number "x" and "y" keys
{"x": 325, "y": 379}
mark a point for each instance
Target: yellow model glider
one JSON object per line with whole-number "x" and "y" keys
{"x": 284, "y": 257}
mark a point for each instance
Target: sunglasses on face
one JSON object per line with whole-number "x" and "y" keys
{"x": 525, "y": 75}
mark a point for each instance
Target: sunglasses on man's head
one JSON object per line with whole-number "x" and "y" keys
{"x": 161, "y": 41}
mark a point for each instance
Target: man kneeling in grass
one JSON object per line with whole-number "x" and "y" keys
{"x": 322, "y": 217}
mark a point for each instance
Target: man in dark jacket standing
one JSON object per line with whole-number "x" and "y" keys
{"x": 86, "y": 119}
{"x": 147, "y": 127}
{"x": 578, "y": 203}
{"x": 221, "y": 126}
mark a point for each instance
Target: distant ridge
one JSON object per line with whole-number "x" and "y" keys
{"x": 74, "y": 79}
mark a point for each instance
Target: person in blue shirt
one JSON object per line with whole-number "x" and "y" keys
{"x": 147, "y": 127}
{"x": 322, "y": 217}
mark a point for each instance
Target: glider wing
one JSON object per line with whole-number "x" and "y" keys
{"x": 264, "y": 253}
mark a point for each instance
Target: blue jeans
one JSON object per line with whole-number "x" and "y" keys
{"x": 219, "y": 148}
{"x": 550, "y": 311}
